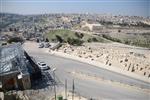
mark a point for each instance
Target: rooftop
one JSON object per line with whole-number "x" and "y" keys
{"x": 12, "y": 59}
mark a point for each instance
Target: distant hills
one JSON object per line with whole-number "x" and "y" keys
{"x": 8, "y": 19}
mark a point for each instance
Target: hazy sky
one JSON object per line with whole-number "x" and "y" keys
{"x": 116, "y": 7}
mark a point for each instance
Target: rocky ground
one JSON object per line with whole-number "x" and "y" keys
{"x": 129, "y": 58}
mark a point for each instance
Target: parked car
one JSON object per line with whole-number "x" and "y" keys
{"x": 46, "y": 45}
{"x": 43, "y": 66}
{"x": 41, "y": 45}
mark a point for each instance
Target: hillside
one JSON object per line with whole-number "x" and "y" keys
{"x": 65, "y": 34}
{"x": 135, "y": 39}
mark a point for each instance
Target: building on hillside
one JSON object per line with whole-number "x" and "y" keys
{"x": 17, "y": 69}
{"x": 93, "y": 26}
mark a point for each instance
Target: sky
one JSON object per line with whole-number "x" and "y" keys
{"x": 115, "y": 7}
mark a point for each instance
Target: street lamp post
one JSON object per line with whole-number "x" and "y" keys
{"x": 66, "y": 89}
{"x": 73, "y": 87}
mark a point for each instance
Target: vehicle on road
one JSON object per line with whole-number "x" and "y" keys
{"x": 46, "y": 45}
{"x": 43, "y": 66}
{"x": 41, "y": 45}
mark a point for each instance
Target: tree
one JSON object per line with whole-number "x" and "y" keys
{"x": 46, "y": 40}
{"x": 15, "y": 39}
{"x": 119, "y": 31}
{"x": 94, "y": 39}
{"x": 37, "y": 40}
{"x": 89, "y": 40}
{"x": 59, "y": 38}
{"x": 73, "y": 41}
{"x": 79, "y": 35}
{"x": 111, "y": 38}
{"x": 127, "y": 42}
{"x": 10, "y": 29}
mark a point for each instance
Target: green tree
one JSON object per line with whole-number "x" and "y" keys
{"x": 79, "y": 35}
{"x": 46, "y": 40}
{"x": 73, "y": 41}
{"x": 59, "y": 38}
{"x": 94, "y": 39}
{"x": 15, "y": 39}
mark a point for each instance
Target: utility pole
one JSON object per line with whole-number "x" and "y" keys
{"x": 73, "y": 87}
{"x": 66, "y": 88}
{"x": 54, "y": 82}
{"x": 79, "y": 96}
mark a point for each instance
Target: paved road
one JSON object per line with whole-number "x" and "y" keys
{"x": 93, "y": 88}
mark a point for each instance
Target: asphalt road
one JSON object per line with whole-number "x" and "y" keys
{"x": 92, "y": 88}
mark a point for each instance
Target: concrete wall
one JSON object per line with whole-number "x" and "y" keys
{"x": 1, "y": 96}
{"x": 26, "y": 81}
